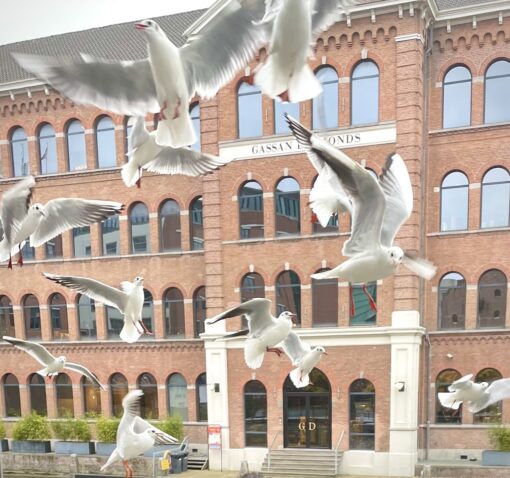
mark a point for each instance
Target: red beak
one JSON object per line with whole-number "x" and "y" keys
{"x": 140, "y": 26}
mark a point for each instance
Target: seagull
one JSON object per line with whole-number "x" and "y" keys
{"x": 52, "y": 365}
{"x": 285, "y": 73}
{"x": 135, "y": 435}
{"x": 147, "y": 154}
{"x": 264, "y": 330}
{"x": 379, "y": 208}
{"x": 303, "y": 357}
{"x": 168, "y": 78}
{"x": 477, "y": 395}
{"x": 128, "y": 300}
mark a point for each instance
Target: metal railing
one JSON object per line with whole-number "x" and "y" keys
{"x": 336, "y": 451}
{"x": 270, "y": 448}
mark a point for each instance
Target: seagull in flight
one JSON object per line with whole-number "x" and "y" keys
{"x": 52, "y": 365}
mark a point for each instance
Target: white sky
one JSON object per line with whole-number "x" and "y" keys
{"x": 27, "y": 19}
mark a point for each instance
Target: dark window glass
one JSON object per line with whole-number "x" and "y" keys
{"x": 280, "y": 124}
{"x": 452, "y": 301}
{"x": 360, "y": 310}
{"x": 147, "y": 312}
{"x": 492, "y": 413}
{"x": 86, "y": 317}
{"x": 251, "y": 210}
{"x": 64, "y": 388}
{"x": 324, "y": 302}
{"x": 252, "y": 287}
{"x": 54, "y": 247}
{"x": 497, "y": 86}
{"x": 325, "y": 106}
{"x": 140, "y": 228}
{"x": 496, "y": 198}
{"x": 37, "y": 393}
{"x": 178, "y": 396}
{"x": 11, "y": 396}
{"x": 105, "y": 143}
{"x": 58, "y": 314}
{"x": 81, "y": 242}
{"x": 331, "y": 226}
{"x": 91, "y": 397}
{"x": 28, "y": 252}
{"x": 287, "y": 207}
{"x": 114, "y": 322}
{"x": 288, "y": 294}
{"x": 199, "y": 310}
{"x": 249, "y": 111}
{"x": 6, "y": 317}
{"x": 47, "y": 149}
{"x": 454, "y": 202}
{"x": 492, "y": 292}
{"x": 194, "y": 113}
{"x": 445, "y": 414}
{"x": 110, "y": 235}
{"x": 255, "y": 414}
{"x": 173, "y": 303}
{"x": 118, "y": 389}
{"x": 362, "y": 415}
{"x": 32, "y": 316}
{"x": 457, "y": 97}
{"x": 149, "y": 401}
{"x": 196, "y": 219}
{"x": 77, "y": 155}
{"x": 19, "y": 152}
{"x": 201, "y": 387}
{"x": 365, "y": 93}
{"x": 170, "y": 226}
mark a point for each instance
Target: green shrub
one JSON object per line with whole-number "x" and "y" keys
{"x": 107, "y": 429}
{"x": 500, "y": 438}
{"x": 172, "y": 425}
{"x": 32, "y": 427}
{"x": 71, "y": 429}
{"x": 2, "y": 430}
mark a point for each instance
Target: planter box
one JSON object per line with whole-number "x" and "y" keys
{"x": 4, "y": 444}
{"x": 105, "y": 449}
{"x": 76, "y": 447}
{"x": 495, "y": 458}
{"x": 31, "y": 446}
{"x": 160, "y": 449}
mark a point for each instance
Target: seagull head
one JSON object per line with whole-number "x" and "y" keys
{"x": 37, "y": 209}
{"x": 149, "y": 27}
{"x": 320, "y": 350}
{"x": 484, "y": 385}
{"x": 287, "y": 315}
{"x": 61, "y": 359}
{"x": 396, "y": 255}
{"x": 138, "y": 280}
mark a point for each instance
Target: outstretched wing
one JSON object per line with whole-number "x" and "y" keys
{"x": 84, "y": 371}
{"x": 496, "y": 391}
{"x": 327, "y": 12}
{"x": 35, "y": 350}
{"x": 295, "y": 348}
{"x": 15, "y": 204}
{"x": 462, "y": 383}
{"x": 162, "y": 438}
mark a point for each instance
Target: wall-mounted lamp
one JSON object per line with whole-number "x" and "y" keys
{"x": 400, "y": 386}
{"x": 449, "y": 356}
{"x": 216, "y": 387}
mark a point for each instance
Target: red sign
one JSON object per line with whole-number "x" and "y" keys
{"x": 214, "y": 432}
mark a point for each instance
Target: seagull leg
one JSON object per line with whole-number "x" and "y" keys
{"x": 161, "y": 114}
{"x": 275, "y": 350}
{"x": 371, "y": 301}
{"x": 250, "y": 79}
{"x": 9, "y": 266}
{"x": 135, "y": 323}
{"x": 284, "y": 96}
{"x": 20, "y": 256}
{"x": 353, "y": 306}
{"x": 127, "y": 469}
{"x": 139, "y": 180}
{"x": 145, "y": 329}
{"x": 314, "y": 219}
{"x": 176, "y": 111}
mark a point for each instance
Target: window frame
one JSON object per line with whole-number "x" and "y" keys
{"x": 441, "y": 188}
{"x": 457, "y": 65}
{"x": 482, "y": 185}
{"x": 352, "y": 80}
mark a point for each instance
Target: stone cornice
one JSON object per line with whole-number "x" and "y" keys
{"x": 478, "y": 336}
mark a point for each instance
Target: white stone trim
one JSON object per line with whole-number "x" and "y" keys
{"x": 470, "y": 231}
{"x": 344, "y": 80}
{"x": 184, "y": 212}
{"x": 410, "y": 36}
{"x": 475, "y": 186}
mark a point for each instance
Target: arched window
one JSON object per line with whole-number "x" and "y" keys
{"x": 491, "y": 414}
{"x": 28, "y": 252}
{"x": 496, "y": 198}
{"x": 54, "y": 247}
{"x": 362, "y": 415}
{"x": 6, "y": 317}
{"x": 249, "y": 111}
{"x": 280, "y": 124}
{"x": 454, "y": 202}
{"x": 325, "y": 106}
{"x": 255, "y": 414}
{"x": 129, "y": 122}
{"x": 196, "y": 222}
{"x": 37, "y": 393}
{"x": 32, "y": 317}
{"x": 148, "y": 311}
{"x": 110, "y": 235}
{"x": 47, "y": 149}
{"x": 58, "y": 315}
{"x": 251, "y": 210}
{"x": 140, "y": 228}
{"x": 360, "y": 310}
{"x": 443, "y": 381}
{"x": 105, "y": 143}
{"x": 19, "y": 152}
{"x": 331, "y": 226}
{"x": 173, "y": 302}
{"x": 201, "y": 388}
{"x": 76, "y": 150}
{"x": 252, "y": 286}
{"x": 64, "y": 387}
{"x": 114, "y": 322}
{"x": 199, "y": 311}
{"x": 170, "y": 226}
{"x": 194, "y": 113}
{"x": 287, "y": 209}
{"x": 288, "y": 294}
{"x": 324, "y": 302}
{"x": 91, "y": 397}
{"x": 452, "y": 301}
{"x": 492, "y": 292}
{"x": 11, "y": 396}
{"x": 149, "y": 401}
{"x": 177, "y": 396}
{"x": 118, "y": 389}
{"x": 497, "y": 85}
{"x": 457, "y": 97}
{"x": 81, "y": 242}
{"x": 365, "y": 93}
{"x": 86, "y": 309}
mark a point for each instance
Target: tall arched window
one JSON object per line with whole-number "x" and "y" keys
{"x": 47, "y": 149}
{"x": 140, "y": 228}
{"x": 251, "y": 210}
{"x": 149, "y": 401}
{"x": 454, "y": 202}
{"x": 496, "y": 198}
{"x": 28, "y": 252}
{"x": 457, "y": 97}
{"x": 255, "y": 414}
{"x": 173, "y": 303}
{"x": 452, "y": 301}
{"x": 177, "y": 396}
{"x": 201, "y": 388}
{"x": 76, "y": 150}
{"x": 114, "y": 322}
{"x": 58, "y": 315}
{"x": 110, "y": 235}
{"x": 331, "y": 226}
{"x": 362, "y": 415}
{"x": 6, "y": 317}
{"x": 91, "y": 397}
{"x": 148, "y": 311}
{"x": 492, "y": 292}
{"x": 11, "y": 396}
{"x": 64, "y": 387}
{"x": 37, "y": 394}
{"x": 54, "y": 247}
{"x": 32, "y": 317}
{"x": 196, "y": 222}
{"x": 86, "y": 309}
{"x": 199, "y": 311}
{"x": 443, "y": 381}
{"x": 365, "y": 93}
{"x": 129, "y": 122}
{"x": 81, "y": 242}
{"x": 492, "y": 413}
{"x": 170, "y": 226}
{"x": 194, "y": 113}
{"x": 325, "y": 106}
{"x": 360, "y": 310}
{"x": 118, "y": 389}
{"x": 105, "y": 143}
{"x": 280, "y": 108}
{"x": 249, "y": 111}
{"x": 252, "y": 286}
{"x": 497, "y": 85}
{"x": 324, "y": 302}
{"x": 287, "y": 207}
{"x": 19, "y": 152}
{"x": 288, "y": 294}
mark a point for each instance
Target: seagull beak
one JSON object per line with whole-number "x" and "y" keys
{"x": 324, "y": 353}
{"x": 140, "y": 26}
{"x": 293, "y": 318}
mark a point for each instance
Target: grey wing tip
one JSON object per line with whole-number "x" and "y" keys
{"x": 302, "y": 134}
{"x": 387, "y": 164}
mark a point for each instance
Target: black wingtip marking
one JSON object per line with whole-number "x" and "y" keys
{"x": 387, "y": 164}
{"x": 302, "y": 134}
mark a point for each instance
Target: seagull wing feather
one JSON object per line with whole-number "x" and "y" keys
{"x": 35, "y": 350}
{"x": 295, "y": 348}
{"x": 15, "y": 204}
{"x": 84, "y": 371}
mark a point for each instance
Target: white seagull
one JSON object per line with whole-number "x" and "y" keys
{"x": 135, "y": 435}
{"x": 304, "y": 357}
{"x": 379, "y": 208}
{"x": 128, "y": 300}
{"x": 477, "y": 395}
{"x": 147, "y": 154}
{"x": 264, "y": 330}
{"x": 166, "y": 80}
{"x": 52, "y": 365}
{"x": 285, "y": 73}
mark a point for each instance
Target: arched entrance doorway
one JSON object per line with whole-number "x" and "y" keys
{"x": 307, "y": 413}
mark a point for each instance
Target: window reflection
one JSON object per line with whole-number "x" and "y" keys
{"x": 325, "y": 106}
{"x": 47, "y": 149}
{"x": 170, "y": 226}
{"x": 87, "y": 317}
{"x": 76, "y": 152}
{"x": 196, "y": 224}
{"x": 287, "y": 204}
{"x": 497, "y": 85}
{"x": 110, "y": 235}
{"x": 457, "y": 97}
{"x": 454, "y": 202}
{"x": 452, "y": 301}
{"x": 444, "y": 414}
{"x": 81, "y": 242}
{"x": 496, "y": 198}
{"x": 194, "y": 113}
{"x": 362, "y": 415}
{"x": 280, "y": 124}
{"x": 365, "y": 93}
{"x": 140, "y": 228}
{"x": 288, "y": 294}
{"x": 105, "y": 143}
{"x": 492, "y": 293}
{"x": 249, "y": 111}
{"x": 6, "y": 317}
{"x": 361, "y": 313}
{"x": 19, "y": 152}
{"x": 251, "y": 210}
{"x": 324, "y": 302}
{"x": 255, "y": 414}
{"x": 494, "y": 412}
{"x": 178, "y": 396}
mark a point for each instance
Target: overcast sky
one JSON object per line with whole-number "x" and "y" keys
{"x": 29, "y": 19}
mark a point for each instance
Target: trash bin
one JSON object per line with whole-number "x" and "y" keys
{"x": 177, "y": 460}
{"x": 179, "y": 457}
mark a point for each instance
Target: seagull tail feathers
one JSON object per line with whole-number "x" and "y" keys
{"x": 303, "y": 85}
{"x": 254, "y": 353}
{"x": 177, "y": 132}
{"x": 271, "y": 79}
{"x": 329, "y": 274}
{"x": 298, "y": 380}
{"x": 448, "y": 400}
{"x": 129, "y": 332}
{"x": 130, "y": 173}
{"x": 115, "y": 456}
{"x": 43, "y": 372}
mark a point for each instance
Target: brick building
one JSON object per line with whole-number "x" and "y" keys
{"x": 427, "y": 79}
